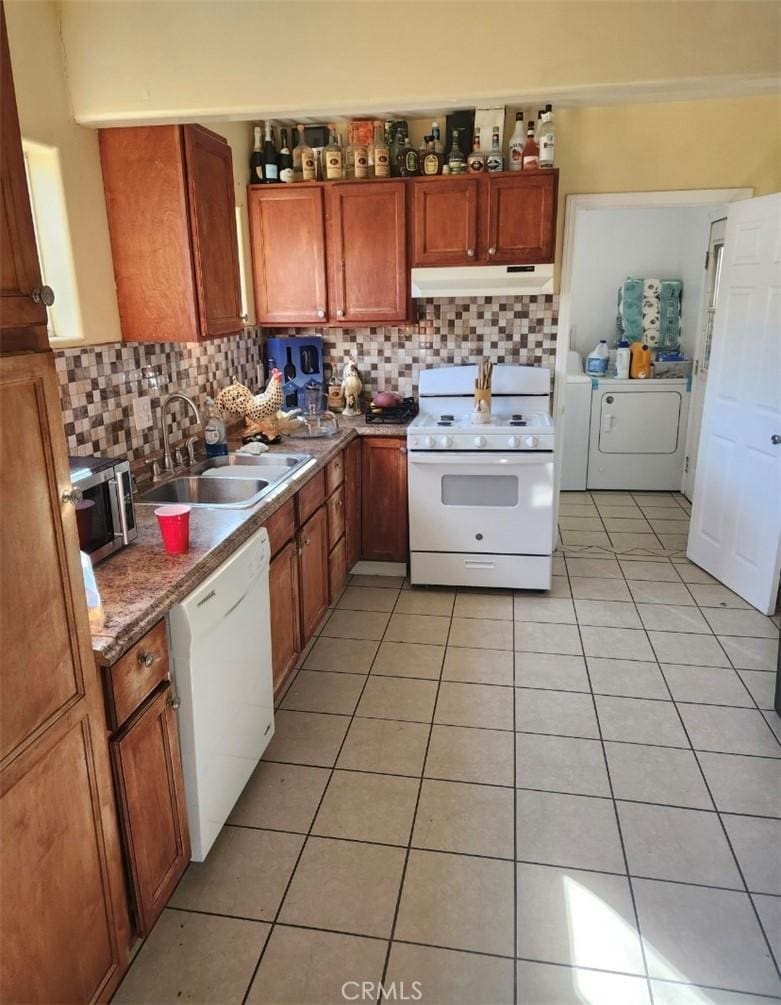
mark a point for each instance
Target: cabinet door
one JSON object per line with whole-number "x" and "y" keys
{"x": 337, "y": 568}
{"x": 445, "y": 221}
{"x": 352, "y": 503}
{"x": 285, "y": 613}
{"x": 522, "y": 217}
{"x": 335, "y": 508}
{"x": 22, "y": 321}
{"x": 64, "y": 924}
{"x": 212, "y": 207}
{"x": 385, "y": 534}
{"x": 288, "y": 253}
{"x": 148, "y": 770}
{"x": 313, "y": 570}
{"x": 367, "y": 254}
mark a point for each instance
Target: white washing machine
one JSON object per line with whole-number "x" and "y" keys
{"x": 577, "y": 416}
{"x": 638, "y": 434}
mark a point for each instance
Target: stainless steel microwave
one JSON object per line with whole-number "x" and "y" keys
{"x": 104, "y": 514}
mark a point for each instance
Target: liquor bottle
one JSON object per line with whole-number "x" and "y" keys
{"x": 333, "y": 156}
{"x": 407, "y": 160}
{"x": 475, "y": 162}
{"x": 308, "y": 162}
{"x": 547, "y": 138}
{"x": 285, "y": 159}
{"x": 357, "y": 161}
{"x": 432, "y": 161}
{"x": 495, "y": 159}
{"x": 256, "y": 161}
{"x": 537, "y": 124}
{"x": 437, "y": 141}
{"x": 270, "y": 165}
{"x": 381, "y": 152}
{"x": 517, "y": 141}
{"x": 289, "y": 388}
{"x": 398, "y": 142}
{"x": 456, "y": 161}
{"x": 531, "y": 152}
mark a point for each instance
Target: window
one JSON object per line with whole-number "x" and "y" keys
{"x": 52, "y": 235}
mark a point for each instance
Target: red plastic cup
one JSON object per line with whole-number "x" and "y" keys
{"x": 174, "y": 524}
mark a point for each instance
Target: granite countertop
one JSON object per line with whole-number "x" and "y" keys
{"x": 141, "y": 583}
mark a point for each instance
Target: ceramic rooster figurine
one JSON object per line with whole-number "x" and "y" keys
{"x": 351, "y": 388}
{"x": 237, "y": 399}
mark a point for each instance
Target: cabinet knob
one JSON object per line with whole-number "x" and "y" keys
{"x": 321, "y": 313}
{"x": 244, "y": 317}
{"x": 43, "y": 295}
{"x": 775, "y": 439}
{"x": 340, "y": 313}
{"x": 175, "y": 702}
{"x": 402, "y": 450}
{"x": 146, "y": 659}
{"x": 338, "y": 503}
{"x": 306, "y": 542}
{"x": 470, "y": 252}
{"x": 492, "y": 251}
{"x": 72, "y": 495}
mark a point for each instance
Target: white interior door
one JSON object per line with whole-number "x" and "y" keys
{"x": 735, "y": 531}
{"x": 713, "y": 262}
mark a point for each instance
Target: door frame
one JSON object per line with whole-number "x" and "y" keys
{"x": 575, "y": 205}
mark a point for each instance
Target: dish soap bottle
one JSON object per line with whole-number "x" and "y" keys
{"x": 214, "y": 431}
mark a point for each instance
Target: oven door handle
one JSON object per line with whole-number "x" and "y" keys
{"x": 472, "y": 459}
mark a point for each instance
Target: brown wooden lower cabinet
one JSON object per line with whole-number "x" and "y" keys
{"x": 285, "y": 613}
{"x": 384, "y": 535}
{"x": 150, "y": 791}
{"x": 337, "y": 567}
{"x": 313, "y": 568}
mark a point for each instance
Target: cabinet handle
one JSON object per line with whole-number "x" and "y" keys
{"x": 402, "y": 450}
{"x": 321, "y": 313}
{"x": 175, "y": 702}
{"x": 72, "y": 495}
{"x": 470, "y": 252}
{"x": 43, "y": 295}
{"x": 338, "y": 504}
{"x": 492, "y": 251}
{"x": 146, "y": 659}
{"x": 244, "y": 317}
{"x": 340, "y": 313}
{"x": 306, "y": 542}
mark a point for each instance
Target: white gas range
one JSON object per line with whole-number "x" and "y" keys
{"x": 481, "y": 494}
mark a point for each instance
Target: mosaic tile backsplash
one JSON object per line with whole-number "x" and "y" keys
{"x": 98, "y": 384}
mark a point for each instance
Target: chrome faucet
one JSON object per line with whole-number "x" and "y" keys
{"x": 168, "y": 461}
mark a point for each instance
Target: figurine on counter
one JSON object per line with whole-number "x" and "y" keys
{"x": 351, "y": 387}
{"x": 261, "y": 411}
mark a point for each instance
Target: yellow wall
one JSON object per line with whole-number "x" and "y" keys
{"x": 45, "y": 116}
{"x": 198, "y": 58}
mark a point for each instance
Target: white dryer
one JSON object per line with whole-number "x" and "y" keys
{"x": 638, "y": 434}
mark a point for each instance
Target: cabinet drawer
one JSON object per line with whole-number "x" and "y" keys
{"x": 136, "y": 674}
{"x": 334, "y": 474}
{"x": 335, "y": 507}
{"x": 310, "y": 497}
{"x": 281, "y": 526}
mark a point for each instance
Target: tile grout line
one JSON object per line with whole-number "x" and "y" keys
{"x": 640, "y": 938}
{"x": 515, "y": 824}
{"x": 403, "y": 877}
{"x": 738, "y": 866}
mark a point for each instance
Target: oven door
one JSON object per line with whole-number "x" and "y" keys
{"x": 497, "y": 503}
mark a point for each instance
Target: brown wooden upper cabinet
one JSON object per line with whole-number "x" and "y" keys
{"x": 22, "y": 309}
{"x": 172, "y": 221}
{"x": 287, "y": 233}
{"x": 490, "y": 219}
{"x": 329, "y": 253}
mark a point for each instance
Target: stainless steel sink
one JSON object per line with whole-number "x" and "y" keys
{"x": 213, "y": 492}
{"x": 235, "y": 481}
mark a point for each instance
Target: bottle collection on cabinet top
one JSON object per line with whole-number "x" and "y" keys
{"x": 377, "y": 149}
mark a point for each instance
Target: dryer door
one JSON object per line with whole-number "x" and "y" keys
{"x": 640, "y": 422}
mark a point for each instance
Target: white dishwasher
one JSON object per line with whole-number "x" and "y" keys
{"x": 221, "y": 649}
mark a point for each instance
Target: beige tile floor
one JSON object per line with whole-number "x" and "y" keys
{"x": 530, "y": 798}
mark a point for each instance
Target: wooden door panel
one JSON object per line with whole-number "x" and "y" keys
{"x": 20, "y": 272}
{"x": 313, "y": 545}
{"x": 522, "y": 217}
{"x": 288, "y": 253}
{"x": 385, "y": 535}
{"x": 337, "y": 567}
{"x": 212, "y": 206}
{"x": 335, "y": 507}
{"x": 148, "y": 769}
{"x": 445, "y": 221}
{"x": 352, "y": 503}
{"x": 285, "y": 614}
{"x": 367, "y": 252}
{"x": 58, "y": 942}
{"x": 43, "y": 602}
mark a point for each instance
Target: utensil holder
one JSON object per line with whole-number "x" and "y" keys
{"x": 483, "y": 394}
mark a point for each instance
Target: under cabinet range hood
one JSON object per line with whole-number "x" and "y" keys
{"x": 483, "y": 281}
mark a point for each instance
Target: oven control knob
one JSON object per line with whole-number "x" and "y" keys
{"x": 530, "y": 441}
{"x": 514, "y": 442}
{"x": 480, "y": 441}
{"x": 447, "y": 441}
{"x": 428, "y": 441}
